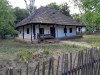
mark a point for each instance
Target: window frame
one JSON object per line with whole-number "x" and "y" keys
{"x": 41, "y": 30}
{"x": 65, "y": 30}
{"x": 70, "y": 30}
{"x": 28, "y": 31}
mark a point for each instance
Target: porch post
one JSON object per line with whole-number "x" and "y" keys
{"x": 23, "y": 32}
{"x": 54, "y": 33}
{"x": 34, "y": 31}
{"x": 57, "y": 31}
{"x": 39, "y": 28}
{"x": 76, "y": 31}
{"x": 81, "y": 31}
{"x": 65, "y": 30}
{"x": 31, "y": 32}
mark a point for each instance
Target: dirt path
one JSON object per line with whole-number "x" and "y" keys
{"x": 82, "y": 44}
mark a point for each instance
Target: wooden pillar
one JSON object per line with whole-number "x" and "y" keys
{"x": 76, "y": 30}
{"x": 57, "y": 31}
{"x": 34, "y": 31}
{"x": 39, "y": 28}
{"x": 65, "y": 30}
{"x": 23, "y": 32}
{"x": 31, "y": 32}
{"x": 81, "y": 31}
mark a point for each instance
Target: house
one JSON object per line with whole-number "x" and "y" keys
{"x": 48, "y": 23}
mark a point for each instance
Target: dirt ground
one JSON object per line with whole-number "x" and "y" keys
{"x": 82, "y": 44}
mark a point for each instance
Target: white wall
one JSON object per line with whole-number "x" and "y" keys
{"x": 20, "y": 34}
{"x": 73, "y": 31}
{"x": 46, "y": 29}
{"x": 27, "y": 36}
{"x": 59, "y": 31}
{"x": 83, "y": 29}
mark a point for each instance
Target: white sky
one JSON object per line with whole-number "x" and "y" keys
{"x": 38, "y": 3}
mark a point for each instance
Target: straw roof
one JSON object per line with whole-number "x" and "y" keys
{"x": 45, "y": 15}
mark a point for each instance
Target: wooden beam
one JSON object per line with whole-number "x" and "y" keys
{"x": 39, "y": 28}
{"x": 31, "y": 32}
{"x": 66, "y": 31}
{"x": 34, "y": 31}
{"x": 23, "y": 32}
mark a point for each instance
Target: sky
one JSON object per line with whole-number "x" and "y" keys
{"x": 38, "y": 3}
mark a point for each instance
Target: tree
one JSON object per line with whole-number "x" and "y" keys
{"x": 92, "y": 12}
{"x": 79, "y": 5}
{"x": 63, "y": 8}
{"x": 91, "y": 15}
{"x": 20, "y": 14}
{"x": 77, "y": 17}
{"x": 53, "y": 6}
{"x": 7, "y": 19}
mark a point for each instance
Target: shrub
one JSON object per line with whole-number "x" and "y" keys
{"x": 25, "y": 55}
{"x": 46, "y": 50}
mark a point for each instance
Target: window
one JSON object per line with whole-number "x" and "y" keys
{"x": 27, "y": 30}
{"x": 41, "y": 30}
{"x": 34, "y": 29}
{"x": 65, "y": 30}
{"x": 70, "y": 30}
{"x": 79, "y": 29}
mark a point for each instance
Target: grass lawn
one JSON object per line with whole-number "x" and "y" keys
{"x": 9, "y": 48}
{"x": 93, "y": 39}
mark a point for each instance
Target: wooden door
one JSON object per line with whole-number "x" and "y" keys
{"x": 52, "y": 31}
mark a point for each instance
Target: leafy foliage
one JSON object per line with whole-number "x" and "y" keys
{"x": 63, "y": 8}
{"x": 53, "y": 6}
{"x": 20, "y": 14}
{"x": 7, "y": 19}
{"x": 77, "y": 17}
{"x": 46, "y": 50}
{"x": 91, "y": 15}
{"x": 25, "y": 55}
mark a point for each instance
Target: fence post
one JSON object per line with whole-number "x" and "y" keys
{"x": 7, "y": 70}
{"x": 26, "y": 68}
{"x": 20, "y": 72}
{"x": 50, "y": 63}
{"x": 10, "y": 71}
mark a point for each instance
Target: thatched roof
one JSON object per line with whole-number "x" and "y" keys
{"x": 48, "y": 16}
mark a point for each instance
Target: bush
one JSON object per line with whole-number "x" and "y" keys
{"x": 46, "y": 50}
{"x": 89, "y": 30}
{"x": 25, "y": 55}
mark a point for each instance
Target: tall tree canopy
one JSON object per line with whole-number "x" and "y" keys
{"x": 20, "y": 14}
{"x": 90, "y": 11}
{"x": 7, "y": 19}
{"x": 63, "y": 8}
{"x": 76, "y": 17}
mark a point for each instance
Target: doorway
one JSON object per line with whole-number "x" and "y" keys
{"x": 52, "y": 31}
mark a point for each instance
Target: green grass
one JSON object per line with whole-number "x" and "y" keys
{"x": 93, "y": 40}
{"x": 10, "y": 47}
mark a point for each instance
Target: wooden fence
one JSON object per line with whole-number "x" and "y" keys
{"x": 85, "y": 62}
